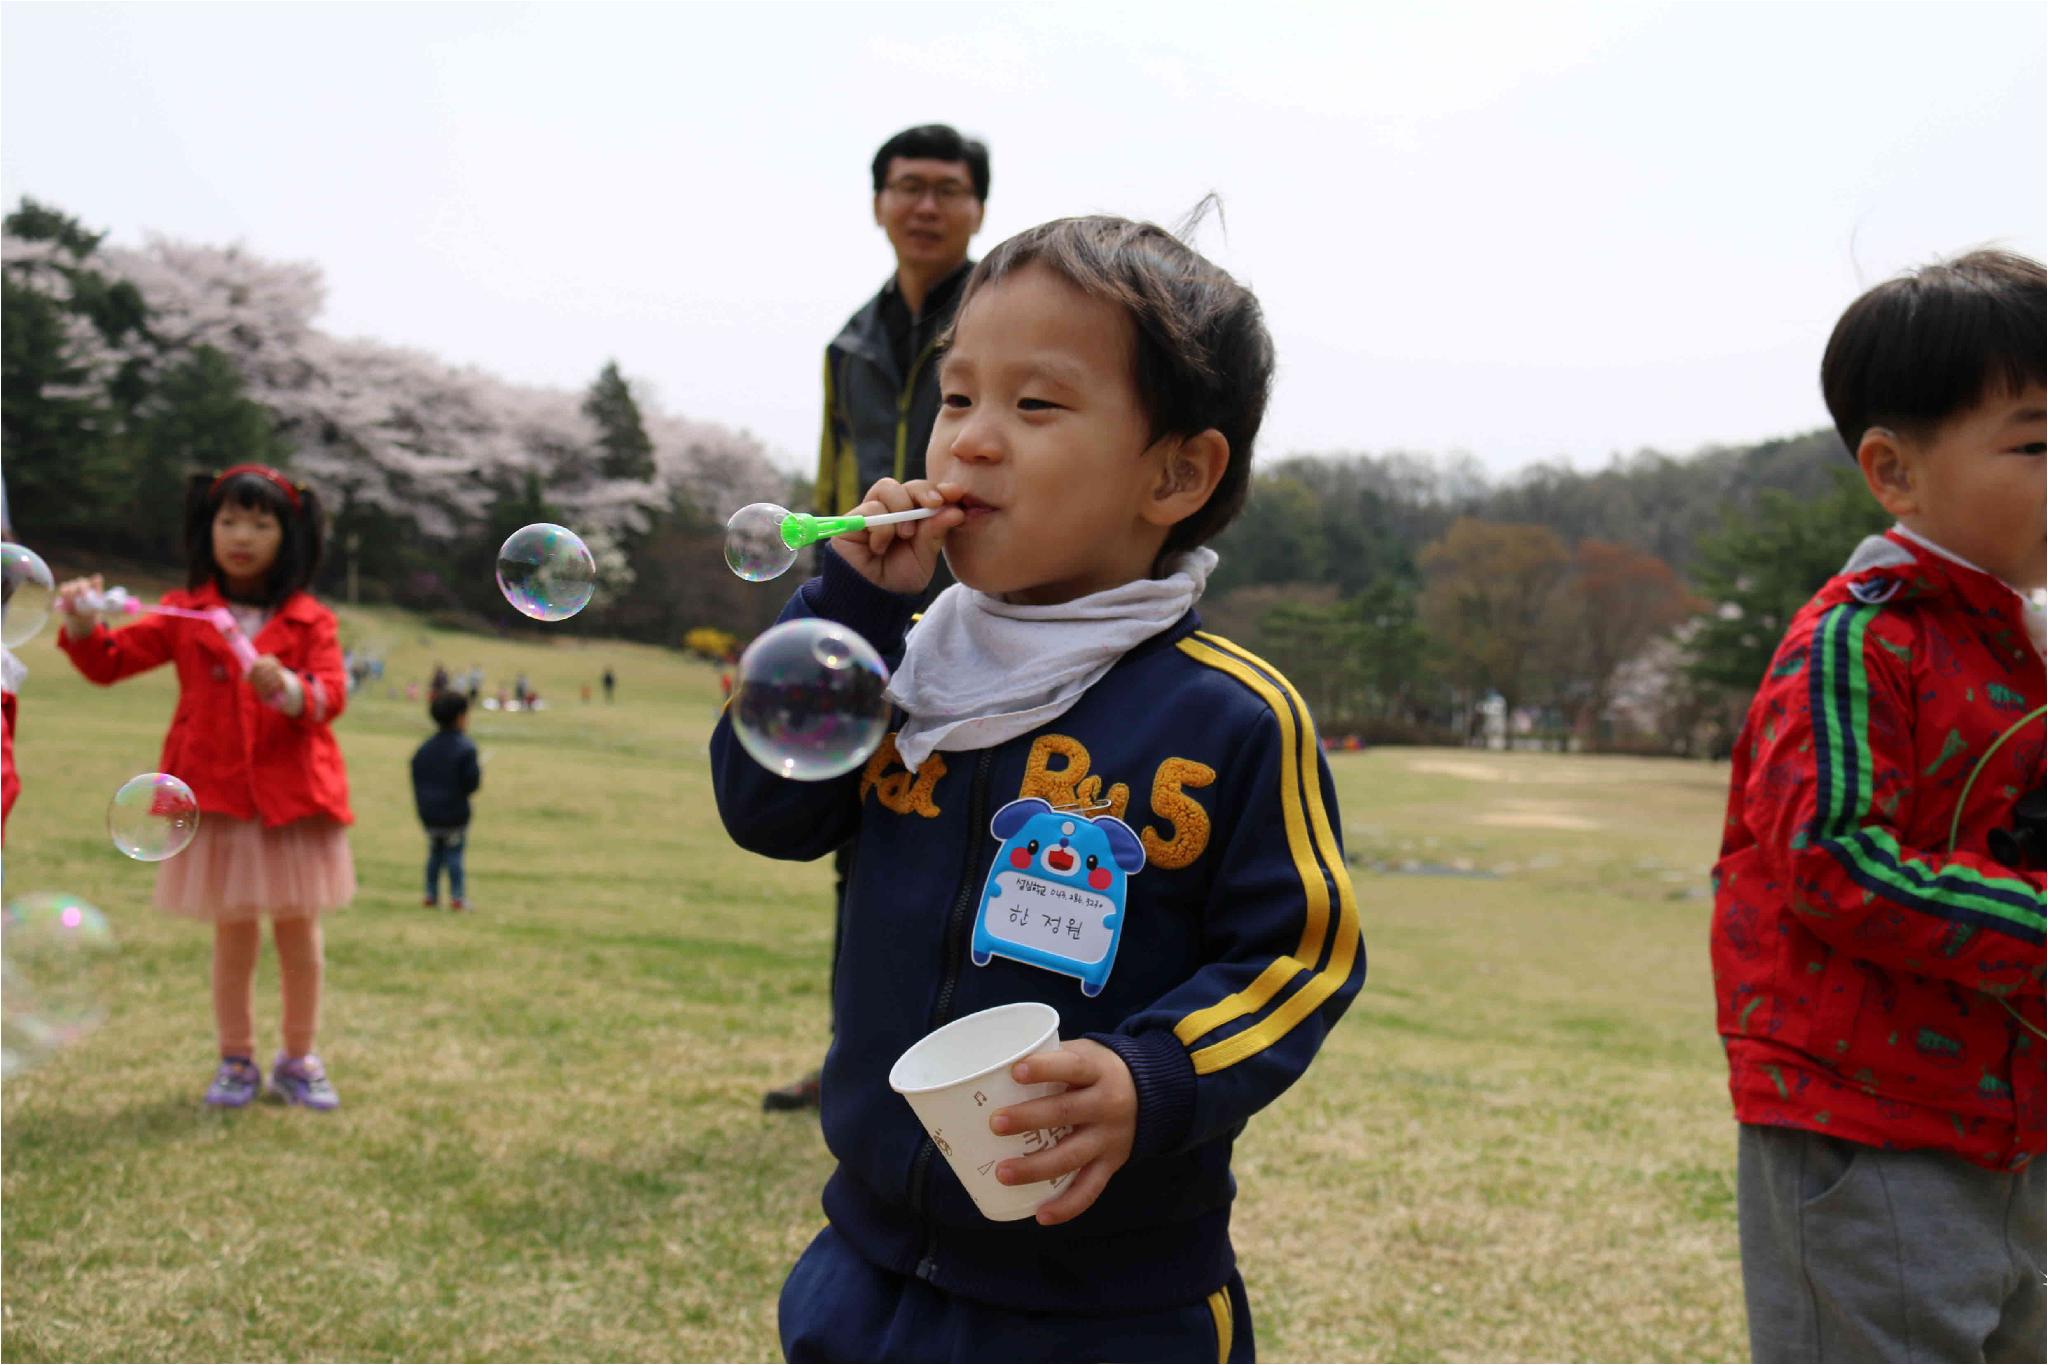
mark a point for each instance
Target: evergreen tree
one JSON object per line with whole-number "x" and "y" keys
{"x": 63, "y": 399}
{"x": 197, "y": 418}
{"x": 1763, "y": 565}
{"x": 627, "y": 453}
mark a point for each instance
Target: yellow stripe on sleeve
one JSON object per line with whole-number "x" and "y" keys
{"x": 1326, "y": 983}
{"x": 1219, "y": 1311}
{"x": 1315, "y": 927}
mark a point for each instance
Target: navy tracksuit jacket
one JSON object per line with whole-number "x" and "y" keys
{"x": 1241, "y": 948}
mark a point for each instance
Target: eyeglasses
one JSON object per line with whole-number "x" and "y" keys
{"x": 910, "y": 189}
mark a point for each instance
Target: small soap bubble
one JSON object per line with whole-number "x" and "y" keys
{"x": 546, "y": 571}
{"x": 810, "y": 703}
{"x": 153, "y": 817}
{"x": 754, "y": 548}
{"x": 26, "y": 591}
{"x": 56, "y": 965}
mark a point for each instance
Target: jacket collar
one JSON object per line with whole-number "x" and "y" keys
{"x": 1899, "y": 566}
{"x": 1896, "y": 567}
{"x": 939, "y": 298}
{"x": 300, "y": 607}
{"x": 865, "y": 334}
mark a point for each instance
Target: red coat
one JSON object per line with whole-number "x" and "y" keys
{"x": 10, "y": 782}
{"x": 1862, "y": 971}
{"x": 240, "y": 757}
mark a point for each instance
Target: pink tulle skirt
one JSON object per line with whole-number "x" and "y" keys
{"x": 238, "y": 870}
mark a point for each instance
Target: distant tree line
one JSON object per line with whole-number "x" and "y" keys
{"x": 1629, "y": 607}
{"x": 1632, "y": 606}
{"x": 126, "y": 369}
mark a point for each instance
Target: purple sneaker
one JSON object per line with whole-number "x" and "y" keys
{"x": 303, "y": 1081}
{"x": 235, "y": 1084}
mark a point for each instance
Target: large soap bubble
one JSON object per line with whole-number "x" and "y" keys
{"x": 56, "y": 966}
{"x": 153, "y": 817}
{"x": 546, "y": 571}
{"x": 809, "y": 703}
{"x": 26, "y": 590}
{"x": 754, "y": 545}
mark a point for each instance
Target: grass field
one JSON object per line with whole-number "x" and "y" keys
{"x": 1516, "y": 1145}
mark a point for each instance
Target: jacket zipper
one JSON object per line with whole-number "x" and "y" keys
{"x": 955, "y": 946}
{"x": 903, "y": 405}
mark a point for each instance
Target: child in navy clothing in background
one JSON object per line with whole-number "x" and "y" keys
{"x": 445, "y": 773}
{"x": 1100, "y": 393}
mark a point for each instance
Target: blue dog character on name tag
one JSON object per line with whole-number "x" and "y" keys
{"x": 1055, "y": 895}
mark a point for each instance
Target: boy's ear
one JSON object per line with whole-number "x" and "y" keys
{"x": 1191, "y": 468}
{"x": 1889, "y": 472}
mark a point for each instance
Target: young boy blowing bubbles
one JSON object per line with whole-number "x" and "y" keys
{"x": 1100, "y": 396}
{"x": 1878, "y": 967}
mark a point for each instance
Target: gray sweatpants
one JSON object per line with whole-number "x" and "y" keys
{"x": 1856, "y": 1253}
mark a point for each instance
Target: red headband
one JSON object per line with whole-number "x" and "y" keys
{"x": 261, "y": 471}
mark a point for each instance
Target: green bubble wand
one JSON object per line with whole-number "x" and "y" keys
{"x": 762, "y": 539}
{"x": 801, "y": 528}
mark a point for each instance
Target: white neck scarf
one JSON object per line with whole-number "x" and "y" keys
{"x": 978, "y": 670}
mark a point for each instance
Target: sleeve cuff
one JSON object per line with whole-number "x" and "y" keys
{"x": 1164, "y": 1075}
{"x": 840, "y": 594}
{"x": 293, "y": 702}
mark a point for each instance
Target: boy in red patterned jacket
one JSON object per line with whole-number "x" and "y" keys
{"x": 1878, "y": 922}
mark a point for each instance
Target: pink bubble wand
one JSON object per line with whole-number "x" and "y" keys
{"x": 220, "y": 618}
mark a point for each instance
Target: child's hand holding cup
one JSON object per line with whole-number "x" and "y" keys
{"x": 959, "y": 1075}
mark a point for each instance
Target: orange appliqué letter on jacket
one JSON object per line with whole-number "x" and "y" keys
{"x": 1170, "y": 802}
{"x": 902, "y": 791}
{"x": 1068, "y": 785}
{"x": 1071, "y": 786}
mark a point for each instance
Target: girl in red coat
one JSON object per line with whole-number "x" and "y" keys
{"x": 257, "y": 750}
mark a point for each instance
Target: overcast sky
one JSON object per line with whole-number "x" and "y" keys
{"x": 1527, "y": 232}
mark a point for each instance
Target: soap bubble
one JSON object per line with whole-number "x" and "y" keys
{"x": 546, "y": 571}
{"x": 26, "y": 589}
{"x": 56, "y": 966}
{"x": 153, "y": 817}
{"x": 754, "y": 547}
{"x": 809, "y": 703}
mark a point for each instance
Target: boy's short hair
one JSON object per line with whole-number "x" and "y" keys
{"x": 1203, "y": 358}
{"x": 446, "y": 707}
{"x": 1917, "y": 350}
{"x": 935, "y": 142}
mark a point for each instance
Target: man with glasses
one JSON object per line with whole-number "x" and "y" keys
{"x": 881, "y": 378}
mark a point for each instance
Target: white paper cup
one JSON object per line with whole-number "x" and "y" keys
{"x": 958, "y": 1075}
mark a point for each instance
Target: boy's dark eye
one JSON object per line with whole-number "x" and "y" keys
{"x": 955, "y": 400}
{"x": 1036, "y": 405}
{"x": 2034, "y": 448}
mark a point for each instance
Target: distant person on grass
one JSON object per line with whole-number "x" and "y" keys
{"x": 1102, "y": 392}
{"x": 445, "y": 774}
{"x": 610, "y": 682}
{"x": 1877, "y": 936}
{"x": 881, "y": 382}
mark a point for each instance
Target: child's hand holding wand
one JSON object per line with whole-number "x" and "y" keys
{"x": 901, "y": 557}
